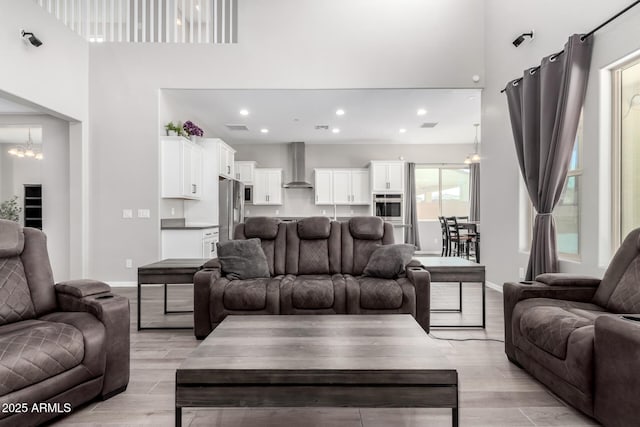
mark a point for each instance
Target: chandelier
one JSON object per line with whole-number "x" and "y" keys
{"x": 475, "y": 157}
{"x": 26, "y": 150}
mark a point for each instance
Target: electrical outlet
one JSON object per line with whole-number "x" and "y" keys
{"x": 351, "y": 211}
{"x": 127, "y": 213}
{"x": 277, "y": 211}
{"x": 247, "y": 212}
{"x": 128, "y": 263}
{"x": 173, "y": 211}
{"x": 324, "y": 211}
{"x": 435, "y": 240}
{"x": 144, "y": 213}
{"x": 521, "y": 273}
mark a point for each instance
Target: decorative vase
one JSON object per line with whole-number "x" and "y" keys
{"x": 172, "y": 133}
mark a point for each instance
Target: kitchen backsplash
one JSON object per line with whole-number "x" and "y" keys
{"x": 301, "y": 202}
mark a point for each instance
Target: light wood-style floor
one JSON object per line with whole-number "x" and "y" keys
{"x": 493, "y": 392}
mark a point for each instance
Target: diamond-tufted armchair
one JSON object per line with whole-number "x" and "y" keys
{"x": 65, "y": 344}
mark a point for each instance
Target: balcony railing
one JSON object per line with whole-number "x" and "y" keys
{"x": 149, "y": 21}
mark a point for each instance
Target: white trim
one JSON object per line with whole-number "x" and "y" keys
{"x": 123, "y": 284}
{"x": 493, "y": 286}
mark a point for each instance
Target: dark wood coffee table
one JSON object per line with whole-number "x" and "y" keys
{"x": 321, "y": 361}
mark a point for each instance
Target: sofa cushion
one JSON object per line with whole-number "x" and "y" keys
{"x": 11, "y": 239}
{"x": 318, "y": 227}
{"x": 14, "y": 292}
{"x": 33, "y": 351}
{"x": 261, "y": 228}
{"x": 626, "y": 296}
{"x": 243, "y": 259}
{"x": 379, "y": 294}
{"x": 313, "y": 257}
{"x": 367, "y": 227}
{"x": 550, "y": 327}
{"x": 389, "y": 261}
{"x": 249, "y": 294}
{"x": 312, "y": 292}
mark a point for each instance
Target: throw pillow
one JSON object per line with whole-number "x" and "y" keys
{"x": 243, "y": 259}
{"x": 389, "y": 261}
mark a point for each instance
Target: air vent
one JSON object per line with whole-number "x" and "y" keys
{"x": 322, "y": 127}
{"x": 237, "y": 127}
{"x": 428, "y": 125}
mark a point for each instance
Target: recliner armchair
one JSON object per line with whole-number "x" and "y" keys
{"x": 568, "y": 332}
{"x": 65, "y": 344}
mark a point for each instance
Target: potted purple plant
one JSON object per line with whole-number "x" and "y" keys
{"x": 192, "y": 129}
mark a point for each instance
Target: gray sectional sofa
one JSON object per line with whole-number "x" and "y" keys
{"x": 316, "y": 267}
{"x": 569, "y": 333}
{"x": 61, "y": 345}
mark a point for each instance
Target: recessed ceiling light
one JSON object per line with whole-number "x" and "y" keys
{"x": 244, "y": 112}
{"x": 402, "y": 130}
{"x": 335, "y": 130}
{"x": 264, "y": 130}
{"x": 421, "y": 112}
{"x": 339, "y": 112}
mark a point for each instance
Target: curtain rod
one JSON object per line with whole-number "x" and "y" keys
{"x": 589, "y": 34}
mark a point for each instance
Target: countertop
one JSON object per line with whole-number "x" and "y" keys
{"x": 181, "y": 224}
{"x": 340, "y": 218}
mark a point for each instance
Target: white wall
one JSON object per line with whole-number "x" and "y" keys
{"x": 53, "y": 173}
{"x": 282, "y": 44}
{"x": 54, "y": 79}
{"x": 553, "y": 22}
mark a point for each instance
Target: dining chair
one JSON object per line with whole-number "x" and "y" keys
{"x": 458, "y": 241}
{"x": 446, "y": 244}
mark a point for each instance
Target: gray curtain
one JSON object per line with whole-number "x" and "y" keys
{"x": 544, "y": 107}
{"x": 411, "y": 233}
{"x": 474, "y": 192}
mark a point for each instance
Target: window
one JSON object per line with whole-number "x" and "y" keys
{"x": 567, "y": 212}
{"x": 442, "y": 191}
{"x": 626, "y": 156}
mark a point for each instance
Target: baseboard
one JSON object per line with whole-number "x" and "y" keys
{"x": 494, "y": 286}
{"x": 122, "y": 284}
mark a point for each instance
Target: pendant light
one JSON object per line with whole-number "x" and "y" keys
{"x": 475, "y": 157}
{"x": 26, "y": 150}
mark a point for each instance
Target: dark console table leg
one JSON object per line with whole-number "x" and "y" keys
{"x": 179, "y": 416}
{"x": 454, "y": 414}
{"x": 139, "y": 302}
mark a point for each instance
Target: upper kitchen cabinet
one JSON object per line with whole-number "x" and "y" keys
{"x": 387, "y": 176}
{"x": 226, "y": 157}
{"x": 181, "y": 168}
{"x": 323, "y": 186}
{"x": 342, "y": 187}
{"x": 267, "y": 186}
{"x": 244, "y": 172}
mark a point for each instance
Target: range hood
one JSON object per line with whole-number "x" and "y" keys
{"x": 298, "y": 169}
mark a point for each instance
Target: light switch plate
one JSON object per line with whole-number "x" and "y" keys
{"x": 127, "y": 213}
{"x": 144, "y": 213}
{"x": 128, "y": 263}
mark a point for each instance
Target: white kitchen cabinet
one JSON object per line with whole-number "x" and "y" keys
{"x": 244, "y": 172}
{"x": 360, "y": 187}
{"x": 190, "y": 243}
{"x": 181, "y": 168}
{"x": 387, "y": 176}
{"x": 226, "y": 157}
{"x": 323, "y": 186}
{"x": 267, "y": 186}
{"x": 342, "y": 187}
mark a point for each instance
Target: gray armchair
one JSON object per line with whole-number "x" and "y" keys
{"x": 67, "y": 343}
{"x": 567, "y": 331}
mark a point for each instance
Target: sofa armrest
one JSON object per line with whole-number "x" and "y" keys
{"x": 564, "y": 279}
{"x": 516, "y": 292}
{"x": 617, "y": 363}
{"x": 113, "y": 311}
{"x": 202, "y": 282}
{"x": 421, "y": 280}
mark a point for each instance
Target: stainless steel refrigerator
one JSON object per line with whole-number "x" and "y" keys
{"x": 230, "y": 206}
